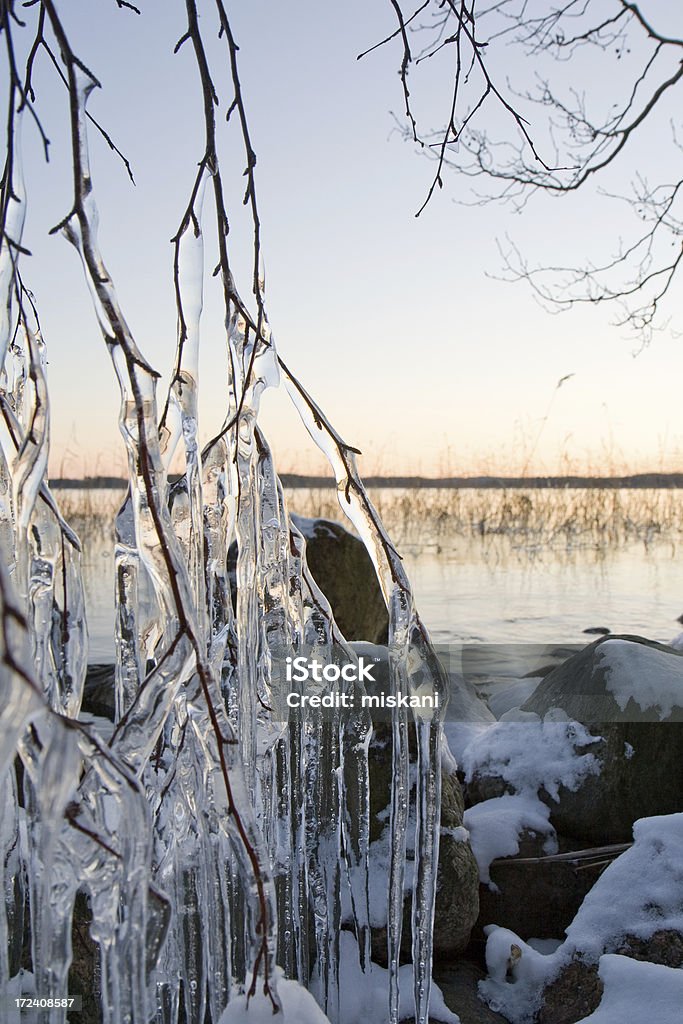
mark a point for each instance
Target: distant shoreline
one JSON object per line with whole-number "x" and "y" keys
{"x": 636, "y": 481}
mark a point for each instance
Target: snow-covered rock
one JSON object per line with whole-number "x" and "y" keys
{"x": 629, "y": 691}
{"x": 635, "y": 909}
{"x": 637, "y": 991}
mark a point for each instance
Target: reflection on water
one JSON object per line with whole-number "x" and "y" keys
{"x": 487, "y": 566}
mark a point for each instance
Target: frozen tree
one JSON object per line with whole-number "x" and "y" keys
{"x": 553, "y": 99}
{"x": 212, "y": 840}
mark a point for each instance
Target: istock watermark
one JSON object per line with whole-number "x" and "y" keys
{"x": 347, "y": 682}
{"x": 305, "y": 670}
{"x": 478, "y": 682}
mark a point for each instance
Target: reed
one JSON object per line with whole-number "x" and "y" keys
{"x": 529, "y": 520}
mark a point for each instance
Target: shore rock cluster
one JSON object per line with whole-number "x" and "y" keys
{"x": 560, "y": 881}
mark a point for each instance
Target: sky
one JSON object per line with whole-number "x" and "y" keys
{"x": 399, "y": 326}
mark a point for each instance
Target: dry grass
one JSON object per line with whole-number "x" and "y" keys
{"x": 560, "y": 520}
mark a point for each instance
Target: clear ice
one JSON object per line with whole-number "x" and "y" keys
{"x": 212, "y": 841}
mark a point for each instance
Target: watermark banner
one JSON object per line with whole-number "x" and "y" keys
{"x": 616, "y": 679}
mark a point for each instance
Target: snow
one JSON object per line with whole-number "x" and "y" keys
{"x": 531, "y": 755}
{"x": 495, "y": 827}
{"x": 517, "y": 974}
{"x": 298, "y": 1007}
{"x": 638, "y": 895}
{"x": 637, "y": 991}
{"x": 651, "y": 678}
{"x": 312, "y": 529}
{"x": 545, "y": 946}
{"x": 364, "y": 997}
{"x": 640, "y": 892}
{"x": 459, "y": 833}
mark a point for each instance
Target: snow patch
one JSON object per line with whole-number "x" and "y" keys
{"x": 495, "y": 827}
{"x": 298, "y": 1006}
{"x": 312, "y": 529}
{"x": 365, "y": 997}
{"x": 651, "y": 678}
{"x": 459, "y": 833}
{"x": 517, "y": 975}
{"x": 637, "y": 991}
{"x": 531, "y": 755}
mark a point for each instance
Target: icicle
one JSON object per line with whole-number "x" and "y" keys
{"x": 405, "y": 633}
{"x": 257, "y": 368}
{"x": 11, "y": 880}
{"x": 131, "y": 651}
{"x": 162, "y": 556}
{"x": 175, "y": 828}
{"x": 218, "y": 532}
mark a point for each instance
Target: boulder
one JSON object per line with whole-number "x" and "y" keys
{"x": 577, "y": 990}
{"x": 537, "y": 899}
{"x": 630, "y": 692}
{"x": 343, "y": 570}
{"x": 615, "y": 679}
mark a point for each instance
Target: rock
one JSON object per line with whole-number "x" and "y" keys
{"x": 459, "y": 984}
{"x": 664, "y": 947}
{"x": 641, "y": 749}
{"x": 594, "y": 684}
{"x": 573, "y": 995}
{"x": 534, "y": 900}
{"x": 343, "y": 570}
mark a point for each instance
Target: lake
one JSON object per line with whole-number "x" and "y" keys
{"x": 488, "y": 565}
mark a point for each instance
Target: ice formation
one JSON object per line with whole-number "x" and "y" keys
{"x": 214, "y": 843}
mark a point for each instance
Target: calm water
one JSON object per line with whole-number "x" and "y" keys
{"x": 551, "y": 598}
{"x": 470, "y": 589}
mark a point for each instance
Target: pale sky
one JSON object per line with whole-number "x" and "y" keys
{"x": 417, "y": 354}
